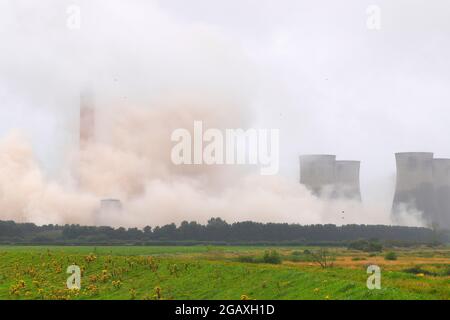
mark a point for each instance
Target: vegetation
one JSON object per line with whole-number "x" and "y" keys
{"x": 434, "y": 271}
{"x": 210, "y": 272}
{"x": 217, "y": 231}
{"x": 322, "y": 257}
{"x": 390, "y": 256}
{"x": 366, "y": 245}
{"x": 270, "y": 256}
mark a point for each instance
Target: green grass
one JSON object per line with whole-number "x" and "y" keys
{"x": 201, "y": 272}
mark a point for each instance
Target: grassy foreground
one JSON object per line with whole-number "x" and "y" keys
{"x": 202, "y": 272}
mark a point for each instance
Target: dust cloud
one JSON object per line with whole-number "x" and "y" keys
{"x": 151, "y": 72}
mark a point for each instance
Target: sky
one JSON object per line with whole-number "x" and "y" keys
{"x": 312, "y": 69}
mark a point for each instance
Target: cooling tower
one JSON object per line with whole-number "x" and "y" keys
{"x": 111, "y": 205}
{"x": 109, "y": 209}
{"x": 414, "y": 187}
{"x": 87, "y": 118}
{"x": 441, "y": 179}
{"x": 317, "y": 172}
{"x": 347, "y": 179}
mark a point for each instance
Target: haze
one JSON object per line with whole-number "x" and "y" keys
{"x": 309, "y": 68}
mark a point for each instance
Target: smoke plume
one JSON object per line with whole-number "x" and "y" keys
{"x": 132, "y": 163}
{"x": 151, "y": 72}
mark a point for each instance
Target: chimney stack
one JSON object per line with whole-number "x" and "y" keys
{"x": 87, "y": 118}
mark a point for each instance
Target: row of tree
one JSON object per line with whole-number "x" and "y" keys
{"x": 216, "y": 230}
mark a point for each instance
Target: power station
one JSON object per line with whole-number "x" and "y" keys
{"x": 441, "y": 181}
{"x": 326, "y": 177}
{"x": 423, "y": 184}
{"x": 87, "y": 131}
{"x": 317, "y": 172}
{"x": 414, "y": 186}
{"x": 347, "y": 179}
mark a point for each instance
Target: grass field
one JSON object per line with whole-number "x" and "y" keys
{"x": 203, "y": 272}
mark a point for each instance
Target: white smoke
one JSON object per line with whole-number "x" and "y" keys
{"x": 151, "y": 73}
{"x": 133, "y": 164}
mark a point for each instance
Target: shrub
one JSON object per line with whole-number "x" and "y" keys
{"x": 272, "y": 257}
{"x": 390, "y": 256}
{"x": 299, "y": 256}
{"x": 446, "y": 271}
{"x": 323, "y": 258}
{"x": 294, "y": 258}
{"x": 418, "y": 270}
{"x": 246, "y": 259}
{"x": 358, "y": 259}
{"x": 365, "y": 245}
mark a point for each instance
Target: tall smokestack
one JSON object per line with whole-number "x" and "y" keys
{"x": 317, "y": 172}
{"x": 441, "y": 179}
{"x": 347, "y": 179}
{"x": 87, "y": 118}
{"x": 414, "y": 187}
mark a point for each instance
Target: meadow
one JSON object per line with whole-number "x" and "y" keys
{"x": 227, "y": 272}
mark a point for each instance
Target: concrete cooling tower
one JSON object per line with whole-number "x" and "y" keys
{"x": 347, "y": 179}
{"x": 109, "y": 209}
{"x": 317, "y": 172}
{"x": 414, "y": 187}
{"x": 441, "y": 179}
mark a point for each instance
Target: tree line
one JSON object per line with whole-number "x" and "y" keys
{"x": 216, "y": 230}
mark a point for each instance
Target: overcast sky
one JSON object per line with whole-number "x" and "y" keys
{"x": 313, "y": 69}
